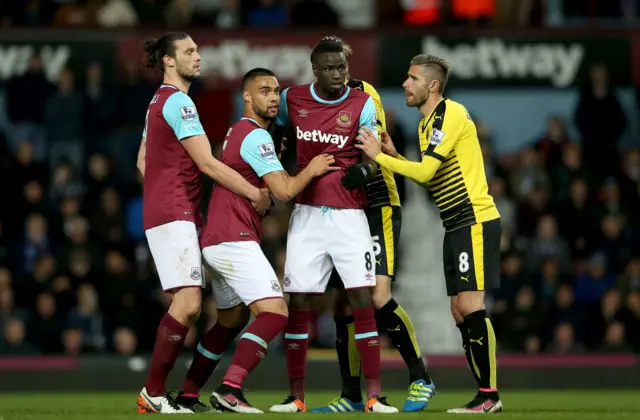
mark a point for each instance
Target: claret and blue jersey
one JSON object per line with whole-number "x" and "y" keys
{"x": 327, "y": 126}
{"x": 172, "y": 182}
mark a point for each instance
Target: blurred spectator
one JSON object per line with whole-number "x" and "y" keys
{"x": 116, "y": 14}
{"x": 268, "y": 13}
{"x": 45, "y": 324}
{"x": 629, "y": 281}
{"x": 26, "y": 98}
{"x": 178, "y": 13}
{"x": 506, "y": 206}
{"x": 564, "y": 340}
{"x": 598, "y": 103}
{"x": 553, "y": 143}
{"x": 592, "y": 284}
{"x": 548, "y": 244}
{"x": 522, "y": 320}
{"x": 14, "y": 343}
{"x": 563, "y": 311}
{"x": 125, "y": 342}
{"x": 100, "y": 109}
{"x": 64, "y": 115}
{"x": 615, "y": 339}
{"x": 529, "y": 175}
{"x": 568, "y": 169}
{"x": 87, "y": 319}
{"x": 36, "y": 244}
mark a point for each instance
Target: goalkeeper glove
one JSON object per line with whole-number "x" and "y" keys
{"x": 356, "y": 176}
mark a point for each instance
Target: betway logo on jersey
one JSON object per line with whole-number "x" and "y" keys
{"x": 493, "y": 58}
{"x": 318, "y": 136}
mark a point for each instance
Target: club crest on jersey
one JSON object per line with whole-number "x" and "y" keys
{"x": 344, "y": 119}
{"x": 196, "y": 273}
{"x": 267, "y": 151}
{"x": 188, "y": 113}
{"x": 436, "y": 137}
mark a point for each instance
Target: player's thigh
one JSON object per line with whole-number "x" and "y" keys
{"x": 384, "y": 225}
{"x": 351, "y": 248}
{"x": 474, "y": 256}
{"x": 449, "y": 260}
{"x": 176, "y": 252}
{"x": 244, "y": 270}
{"x": 308, "y": 265}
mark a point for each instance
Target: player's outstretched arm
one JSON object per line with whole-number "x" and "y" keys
{"x": 140, "y": 163}
{"x": 199, "y": 149}
{"x": 285, "y": 187}
{"x": 420, "y": 172}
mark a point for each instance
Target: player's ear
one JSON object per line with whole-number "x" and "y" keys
{"x": 168, "y": 61}
{"x": 246, "y": 95}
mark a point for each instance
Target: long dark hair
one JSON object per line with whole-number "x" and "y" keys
{"x": 157, "y": 48}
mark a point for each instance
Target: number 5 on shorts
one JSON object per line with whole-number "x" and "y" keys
{"x": 463, "y": 262}
{"x": 377, "y": 249}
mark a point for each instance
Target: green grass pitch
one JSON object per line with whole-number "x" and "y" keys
{"x": 519, "y": 405}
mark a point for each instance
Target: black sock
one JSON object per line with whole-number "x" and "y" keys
{"x": 464, "y": 332}
{"x": 482, "y": 346}
{"x": 395, "y": 322}
{"x": 348, "y": 358}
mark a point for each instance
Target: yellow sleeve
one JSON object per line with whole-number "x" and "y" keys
{"x": 439, "y": 144}
{"x": 371, "y": 91}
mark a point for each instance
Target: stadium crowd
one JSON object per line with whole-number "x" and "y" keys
{"x": 304, "y": 13}
{"x": 76, "y": 275}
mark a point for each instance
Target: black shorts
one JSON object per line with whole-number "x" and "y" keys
{"x": 472, "y": 257}
{"x": 384, "y": 224}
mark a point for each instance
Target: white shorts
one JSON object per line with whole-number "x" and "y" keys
{"x": 242, "y": 274}
{"x": 176, "y": 252}
{"x": 320, "y": 238}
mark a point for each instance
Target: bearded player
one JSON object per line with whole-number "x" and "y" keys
{"x": 173, "y": 153}
{"x": 328, "y": 225}
{"x": 385, "y": 219}
{"x": 231, "y": 246}
{"x": 452, "y": 170}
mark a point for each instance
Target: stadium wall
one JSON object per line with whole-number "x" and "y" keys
{"x": 89, "y": 374}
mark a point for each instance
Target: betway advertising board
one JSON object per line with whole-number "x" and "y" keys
{"x": 287, "y": 56}
{"x": 56, "y": 55}
{"x": 487, "y": 61}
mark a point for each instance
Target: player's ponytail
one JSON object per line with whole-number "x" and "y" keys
{"x": 156, "y": 49}
{"x": 150, "y": 50}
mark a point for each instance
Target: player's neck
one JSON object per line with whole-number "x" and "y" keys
{"x": 263, "y": 122}
{"x": 427, "y": 108}
{"x": 327, "y": 95}
{"x": 178, "y": 82}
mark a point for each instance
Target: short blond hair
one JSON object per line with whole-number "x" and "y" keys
{"x": 439, "y": 65}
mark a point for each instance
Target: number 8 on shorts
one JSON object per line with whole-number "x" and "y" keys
{"x": 472, "y": 257}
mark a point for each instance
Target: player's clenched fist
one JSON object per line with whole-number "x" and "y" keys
{"x": 263, "y": 204}
{"x": 387, "y": 146}
{"x": 322, "y": 164}
{"x": 368, "y": 143}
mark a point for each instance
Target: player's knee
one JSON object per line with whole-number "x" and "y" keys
{"x": 360, "y": 298}
{"x": 341, "y": 303}
{"x": 381, "y": 294}
{"x": 236, "y": 317}
{"x": 186, "y": 305}
{"x": 299, "y": 301}
{"x": 469, "y": 302}
{"x": 274, "y": 306}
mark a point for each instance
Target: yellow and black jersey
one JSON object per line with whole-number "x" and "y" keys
{"x": 381, "y": 190}
{"x": 452, "y": 168}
